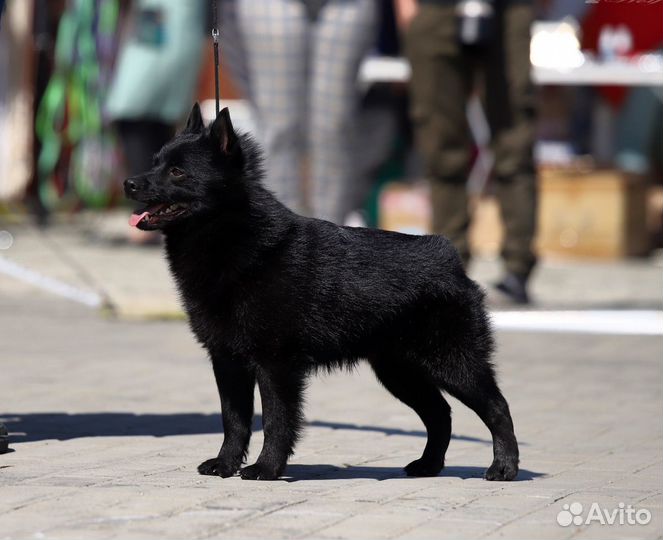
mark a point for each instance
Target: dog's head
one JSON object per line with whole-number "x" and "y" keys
{"x": 190, "y": 174}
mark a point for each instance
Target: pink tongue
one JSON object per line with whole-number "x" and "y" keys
{"x": 135, "y": 219}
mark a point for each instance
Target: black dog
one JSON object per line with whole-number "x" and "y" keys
{"x": 273, "y": 296}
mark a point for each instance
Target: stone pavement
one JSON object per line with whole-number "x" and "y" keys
{"x": 110, "y": 417}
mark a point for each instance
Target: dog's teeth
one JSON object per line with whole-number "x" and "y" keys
{"x": 172, "y": 208}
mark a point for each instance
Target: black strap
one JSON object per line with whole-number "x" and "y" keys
{"x": 215, "y": 39}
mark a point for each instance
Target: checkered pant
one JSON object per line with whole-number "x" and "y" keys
{"x": 300, "y": 75}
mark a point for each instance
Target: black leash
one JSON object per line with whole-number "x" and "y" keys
{"x": 215, "y": 39}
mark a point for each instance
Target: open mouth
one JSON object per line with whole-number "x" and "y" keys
{"x": 156, "y": 215}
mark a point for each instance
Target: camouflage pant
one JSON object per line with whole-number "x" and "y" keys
{"x": 444, "y": 74}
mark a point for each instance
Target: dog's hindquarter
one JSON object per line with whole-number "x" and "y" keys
{"x": 375, "y": 291}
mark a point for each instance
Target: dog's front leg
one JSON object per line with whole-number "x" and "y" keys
{"x": 281, "y": 391}
{"x": 235, "y": 382}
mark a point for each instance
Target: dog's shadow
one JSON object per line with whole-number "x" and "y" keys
{"x": 30, "y": 427}
{"x": 296, "y": 472}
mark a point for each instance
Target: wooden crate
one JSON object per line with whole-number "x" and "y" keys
{"x": 598, "y": 214}
{"x": 591, "y": 214}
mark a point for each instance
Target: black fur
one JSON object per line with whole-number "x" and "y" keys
{"x": 274, "y": 296}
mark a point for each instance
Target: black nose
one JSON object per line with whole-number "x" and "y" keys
{"x": 130, "y": 185}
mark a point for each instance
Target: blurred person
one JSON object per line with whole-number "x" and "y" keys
{"x": 156, "y": 76}
{"x": 446, "y": 68}
{"x": 297, "y": 63}
{"x": 633, "y": 109}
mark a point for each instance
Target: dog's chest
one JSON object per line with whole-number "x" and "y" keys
{"x": 221, "y": 314}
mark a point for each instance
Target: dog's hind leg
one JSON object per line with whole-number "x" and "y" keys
{"x": 236, "y": 383}
{"x": 281, "y": 393}
{"x": 475, "y": 386}
{"x": 461, "y": 341}
{"x": 414, "y": 388}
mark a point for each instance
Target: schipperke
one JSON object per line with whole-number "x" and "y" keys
{"x": 274, "y": 296}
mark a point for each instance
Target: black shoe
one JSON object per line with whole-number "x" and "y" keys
{"x": 514, "y": 288}
{"x": 4, "y": 439}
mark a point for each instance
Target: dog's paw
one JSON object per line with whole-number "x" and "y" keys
{"x": 218, "y": 467}
{"x": 420, "y": 467}
{"x": 259, "y": 471}
{"x": 502, "y": 470}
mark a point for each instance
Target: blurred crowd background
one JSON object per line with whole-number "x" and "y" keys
{"x": 520, "y": 129}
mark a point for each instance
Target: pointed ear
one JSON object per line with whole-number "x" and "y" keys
{"x": 222, "y": 130}
{"x": 195, "y": 122}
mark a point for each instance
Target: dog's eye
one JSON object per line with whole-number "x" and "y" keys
{"x": 176, "y": 172}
